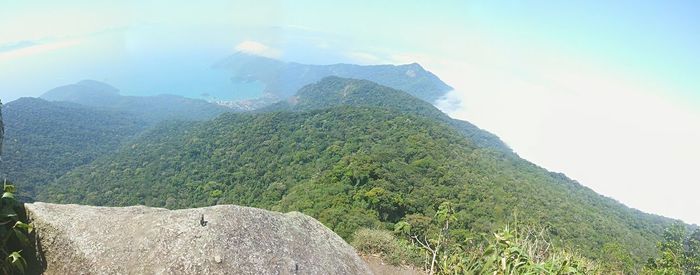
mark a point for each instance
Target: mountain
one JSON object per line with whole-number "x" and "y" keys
{"x": 151, "y": 108}
{"x": 283, "y": 79}
{"x": 72, "y": 125}
{"x": 46, "y": 139}
{"x": 335, "y": 91}
{"x": 86, "y": 92}
{"x": 363, "y": 163}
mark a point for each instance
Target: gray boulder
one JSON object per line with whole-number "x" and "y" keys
{"x": 76, "y": 239}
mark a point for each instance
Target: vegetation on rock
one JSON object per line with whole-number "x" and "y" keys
{"x": 516, "y": 250}
{"x": 13, "y": 232}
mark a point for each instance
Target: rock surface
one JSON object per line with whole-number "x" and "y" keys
{"x": 75, "y": 239}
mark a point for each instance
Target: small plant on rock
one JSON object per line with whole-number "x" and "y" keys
{"x": 13, "y": 233}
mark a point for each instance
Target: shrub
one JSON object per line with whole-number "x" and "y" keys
{"x": 384, "y": 244}
{"x": 372, "y": 241}
{"x": 13, "y": 233}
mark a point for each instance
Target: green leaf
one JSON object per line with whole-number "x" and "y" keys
{"x": 8, "y": 195}
{"x": 10, "y": 188}
{"x": 28, "y": 227}
{"x": 7, "y": 216}
{"x": 21, "y": 237}
{"x": 17, "y": 261}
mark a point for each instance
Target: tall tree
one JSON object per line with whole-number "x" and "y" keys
{"x": 2, "y": 130}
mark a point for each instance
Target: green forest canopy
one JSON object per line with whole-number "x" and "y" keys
{"x": 355, "y": 164}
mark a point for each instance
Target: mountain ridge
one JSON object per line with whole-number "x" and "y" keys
{"x": 152, "y": 108}
{"x": 334, "y": 91}
{"x": 351, "y": 167}
{"x": 72, "y": 125}
{"x": 283, "y": 79}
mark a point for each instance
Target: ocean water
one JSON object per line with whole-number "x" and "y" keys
{"x": 185, "y": 79}
{"x": 137, "y": 61}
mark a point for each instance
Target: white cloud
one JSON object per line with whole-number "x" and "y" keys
{"x": 365, "y": 58}
{"x": 323, "y": 45}
{"x": 257, "y": 48}
{"x": 450, "y": 103}
{"x": 37, "y": 49}
{"x": 27, "y": 21}
{"x": 619, "y": 133}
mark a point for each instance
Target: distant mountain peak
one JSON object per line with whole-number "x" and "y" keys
{"x": 98, "y": 85}
{"x": 282, "y": 79}
{"x": 334, "y": 91}
{"x": 84, "y": 91}
{"x": 152, "y": 108}
{"x": 242, "y": 59}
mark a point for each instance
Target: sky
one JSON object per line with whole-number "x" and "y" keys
{"x": 603, "y": 91}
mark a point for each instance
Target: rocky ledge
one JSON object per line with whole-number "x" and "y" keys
{"x": 223, "y": 239}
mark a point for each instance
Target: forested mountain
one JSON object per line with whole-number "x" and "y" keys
{"x": 151, "y": 108}
{"x": 357, "y": 163}
{"x": 78, "y": 123}
{"x": 46, "y": 139}
{"x": 283, "y": 79}
{"x": 335, "y": 91}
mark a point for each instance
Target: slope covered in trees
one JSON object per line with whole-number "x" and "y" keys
{"x": 336, "y": 91}
{"x": 78, "y": 123}
{"x": 283, "y": 79}
{"x": 45, "y": 139}
{"x": 368, "y": 165}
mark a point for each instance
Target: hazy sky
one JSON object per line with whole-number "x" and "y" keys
{"x": 604, "y": 91}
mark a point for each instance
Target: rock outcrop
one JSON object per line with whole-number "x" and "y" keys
{"x": 223, "y": 239}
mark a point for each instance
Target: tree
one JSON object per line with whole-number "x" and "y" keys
{"x": 2, "y": 130}
{"x": 678, "y": 252}
{"x": 617, "y": 259}
{"x": 692, "y": 253}
{"x": 432, "y": 238}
